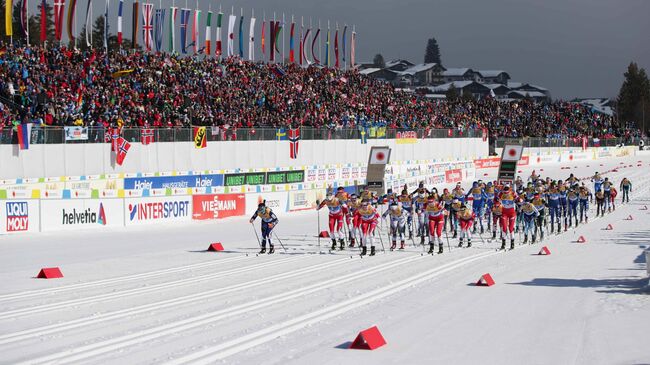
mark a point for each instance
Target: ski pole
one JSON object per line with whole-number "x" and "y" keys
{"x": 279, "y": 240}
{"x": 318, "y": 214}
{"x": 447, "y": 237}
{"x": 259, "y": 243}
{"x": 382, "y": 242}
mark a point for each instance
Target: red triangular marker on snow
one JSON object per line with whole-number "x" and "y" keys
{"x": 581, "y": 239}
{"x": 609, "y": 227}
{"x": 324, "y": 234}
{"x": 50, "y": 273}
{"x": 368, "y": 339}
{"x": 485, "y": 280}
{"x": 215, "y": 247}
{"x": 645, "y": 207}
{"x": 629, "y": 218}
{"x": 544, "y": 251}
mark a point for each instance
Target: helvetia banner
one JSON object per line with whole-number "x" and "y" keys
{"x": 71, "y": 214}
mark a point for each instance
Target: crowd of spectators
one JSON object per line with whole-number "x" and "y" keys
{"x": 61, "y": 87}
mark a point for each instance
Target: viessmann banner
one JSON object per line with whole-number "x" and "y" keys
{"x": 216, "y": 206}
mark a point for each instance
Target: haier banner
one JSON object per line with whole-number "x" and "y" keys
{"x": 163, "y": 182}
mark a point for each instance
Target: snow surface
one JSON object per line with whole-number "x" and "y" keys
{"x": 153, "y": 295}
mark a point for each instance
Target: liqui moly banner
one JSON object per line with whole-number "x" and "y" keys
{"x": 19, "y": 216}
{"x": 215, "y": 206}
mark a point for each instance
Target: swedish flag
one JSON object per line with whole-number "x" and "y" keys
{"x": 363, "y": 136}
{"x": 281, "y": 134}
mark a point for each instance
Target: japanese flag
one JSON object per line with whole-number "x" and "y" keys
{"x": 512, "y": 153}
{"x": 379, "y": 155}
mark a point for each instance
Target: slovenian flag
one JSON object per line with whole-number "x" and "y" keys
{"x": 24, "y": 135}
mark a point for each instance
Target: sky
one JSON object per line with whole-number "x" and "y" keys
{"x": 575, "y": 48}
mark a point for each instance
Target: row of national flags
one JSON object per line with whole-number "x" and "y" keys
{"x": 330, "y": 45}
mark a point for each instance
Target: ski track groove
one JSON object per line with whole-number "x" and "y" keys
{"x": 116, "y": 344}
{"x": 49, "y": 329}
{"x": 117, "y": 280}
{"x": 141, "y": 290}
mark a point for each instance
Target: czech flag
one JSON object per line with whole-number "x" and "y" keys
{"x": 24, "y": 135}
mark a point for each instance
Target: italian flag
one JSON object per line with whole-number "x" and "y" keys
{"x": 208, "y": 34}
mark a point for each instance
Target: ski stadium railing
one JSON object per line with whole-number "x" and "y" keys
{"x": 55, "y": 135}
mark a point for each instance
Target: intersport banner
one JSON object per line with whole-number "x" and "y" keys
{"x": 71, "y": 214}
{"x": 162, "y": 209}
{"x": 216, "y": 206}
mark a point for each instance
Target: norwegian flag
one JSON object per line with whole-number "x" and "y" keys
{"x": 294, "y": 140}
{"x": 111, "y": 137}
{"x": 147, "y": 28}
{"x": 123, "y": 149}
{"x": 146, "y": 136}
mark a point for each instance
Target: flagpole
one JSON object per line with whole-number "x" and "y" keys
{"x": 273, "y": 40}
{"x": 320, "y": 45}
{"x": 251, "y": 44}
{"x": 284, "y": 25}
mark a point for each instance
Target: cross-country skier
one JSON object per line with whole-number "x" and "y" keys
{"x": 455, "y": 208}
{"x": 335, "y": 219}
{"x": 607, "y": 192}
{"x": 508, "y": 200}
{"x": 540, "y": 221}
{"x": 478, "y": 196}
{"x": 497, "y": 212}
{"x": 269, "y": 221}
{"x": 367, "y": 216}
{"x": 626, "y": 188}
{"x": 489, "y": 203}
{"x": 353, "y": 204}
{"x": 435, "y": 214}
{"x": 553, "y": 198}
{"x": 419, "y": 204}
{"x": 466, "y": 219}
{"x": 397, "y": 223}
{"x": 573, "y": 197}
{"x": 600, "y": 203}
{"x": 447, "y": 199}
{"x": 530, "y": 213}
{"x": 406, "y": 201}
{"x": 584, "y": 196}
{"x": 564, "y": 207}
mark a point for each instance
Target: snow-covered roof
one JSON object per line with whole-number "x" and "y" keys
{"x": 532, "y": 94}
{"x": 491, "y": 73}
{"x": 456, "y": 71}
{"x": 597, "y": 104}
{"x": 495, "y": 86}
{"x": 369, "y": 71}
{"x": 397, "y": 62}
{"x": 520, "y": 85}
{"x": 447, "y": 86}
{"x": 419, "y": 68}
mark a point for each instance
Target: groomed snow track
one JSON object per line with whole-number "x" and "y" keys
{"x": 154, "y": 296}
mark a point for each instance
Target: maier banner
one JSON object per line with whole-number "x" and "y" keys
{"x": 215, "y": 206}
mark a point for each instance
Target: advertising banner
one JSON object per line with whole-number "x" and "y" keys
{"x": 278, "y": 201}
{"x": 163, "y": 182}
{"x": 19, "y": 216}
{"x": 487, "y": 163}
{"x": 162, "y": 209}
{"x": 76, "y": 133}
{"x": 407, "y": 137}
{"x": 453, "y": 176}
{"x": 304, "y": 199}
{"x": 216, "y": 206}
{"x": 71, "y": 214}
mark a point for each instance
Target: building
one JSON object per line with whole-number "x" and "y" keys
{"x": 458, "y": 74}
{"x": 423, "y": 74}
{"x": 494, "y": 76}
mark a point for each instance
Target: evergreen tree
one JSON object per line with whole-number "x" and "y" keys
{"x": 634, "y": 97}
{"x": 452, "y": 93}
{"x": 432, "y": 52}
{"x": 378, "y": 61}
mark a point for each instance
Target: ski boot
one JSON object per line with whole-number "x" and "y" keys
{"x": 440, "y": 248}
{"x": 455, "y": 234}
{"x": 372, "y": 251}
{"x": 460, "y": 244}
{"x": 263, "y": 250}
{"x": 494, "y": 235}
{"x": 401, "y": 245}
{"x": 469, "y": 242}
{"x": 410, "y": 235}
{"x": 430, "y": 248}
{"x": 422, "y": 240}
{"x": 559, "y": 227}
{"x": 525, "y": 239}
{"x": 533, "y": 241}
{"x": 541, "y": 236}
{"x": 363, "y": 250}
{"x": 333, "y": 248}
{"x": 351, "y": 242}
{"x": 482, "y": 230}
{"x": 393, "y": 246}
{"x": 552, "y": 228}
{"x": 271, "y": 249}
{"x": 512, "y": 244}
{"x": 341, "y": 244}
{"x": 503, "y": 243}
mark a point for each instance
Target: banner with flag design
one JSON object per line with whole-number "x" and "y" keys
{"x": 251, "y": 40}
{"x": 208, "y": 34}
{"x": 72, "y": 6}
{"x": 89, "y": 14}
{"x": 241, "y": 36}
{"x": 219, "y": 51}
{"x": 185, "y": 19}
{"x": 122, "y": 149}
{"x": 345, "y": 29}
{"x": 231, "y": 35}
{"x": 146, "y": 136}
{"x": 44, "y": 21}
{"x": 158, "y": 30}
{"x": 24, "y": 18}
{"x": 134, "y": 26}
{"x": 119, "y": 22}
{"x": 291, "y": 51}
{"x": 294, "y": 142}
{"x": 195, "y": 30}
{"x": 200, "y": 137}
{"x": 173, "y": 11}
{"x": 24, "y": 135}
{"x": 147, "y": 25}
